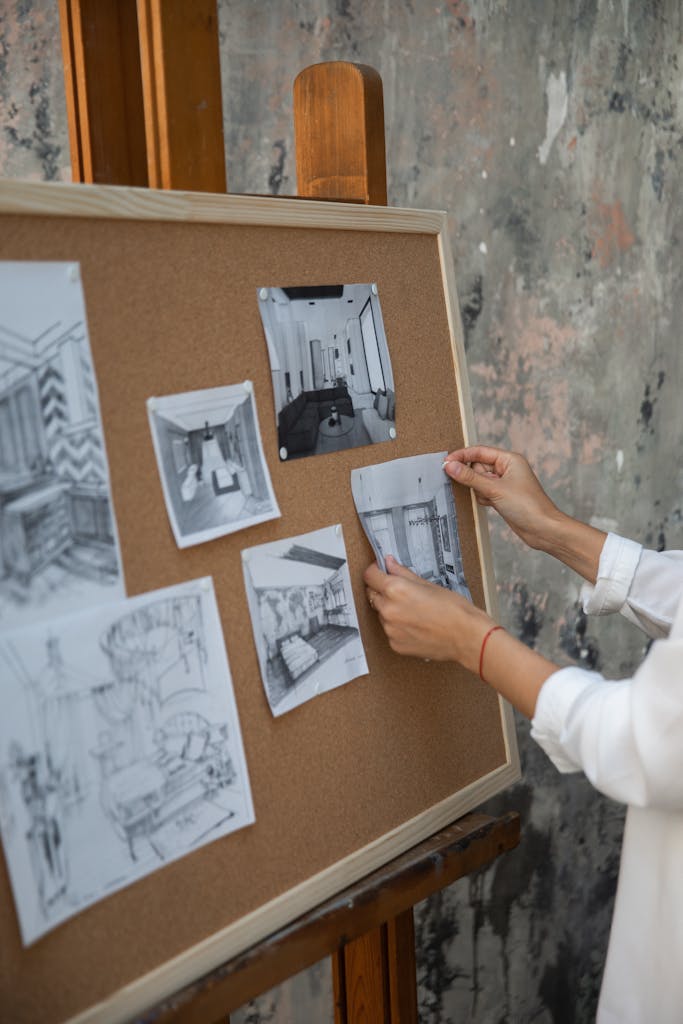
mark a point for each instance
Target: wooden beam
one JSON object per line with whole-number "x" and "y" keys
{"x": 471, "y": 843}
{"x": 103, "y": 91}
{"x": 181, "y": 80}
{"x": 339, "y": 133}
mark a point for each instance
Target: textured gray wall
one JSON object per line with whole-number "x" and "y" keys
{"x": 552, "y": 132}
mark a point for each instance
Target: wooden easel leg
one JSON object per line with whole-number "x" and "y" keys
{"x": 103, "y": 91}
{"x": 181, "y": 79}
{"x": 374, "y": 976}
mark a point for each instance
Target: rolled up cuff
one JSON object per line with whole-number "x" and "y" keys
{"x": 618, "y": 562}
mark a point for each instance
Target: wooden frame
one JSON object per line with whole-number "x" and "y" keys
{"x": 95, "y": 204}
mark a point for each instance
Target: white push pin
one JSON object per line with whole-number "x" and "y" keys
{"x": 248, "y": 387}
{"x": 263, "y": 294}
{"x": 283, "y": 453}
{"x": 392, "y": 433}
{"x": 151, "y": 403}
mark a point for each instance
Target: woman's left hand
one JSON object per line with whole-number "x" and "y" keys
{"x": 425, "y": 620}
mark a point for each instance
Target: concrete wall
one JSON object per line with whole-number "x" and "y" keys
{"x": 553, "y": 133}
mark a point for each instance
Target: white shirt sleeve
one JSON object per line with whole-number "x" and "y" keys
{"x": 626, "y": 736}
{"x": 645, "y": 586}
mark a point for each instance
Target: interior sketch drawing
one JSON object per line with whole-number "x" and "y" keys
{"x": 303, "y": 616}
{"x": 119, "y": 752}
{"x": 333, "y": 383}
{"x": 210, "y": 458}
{"x": 407, "y": 510}
{"x": 58, "y": 544}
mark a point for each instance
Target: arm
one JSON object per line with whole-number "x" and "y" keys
{"x": 626, "y": 735}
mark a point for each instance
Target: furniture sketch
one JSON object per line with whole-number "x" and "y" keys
{"x": 36, "y": 530}
{"x": 190, "y": 763}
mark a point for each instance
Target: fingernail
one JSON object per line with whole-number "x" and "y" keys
{"x": 453, "y": 468}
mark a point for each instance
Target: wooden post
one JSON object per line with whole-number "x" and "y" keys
{"x": 103, "y": 91}
{"x": 143, "y": 90}
{"x": 181, "y": 81}
{"x": 339, "y": 133}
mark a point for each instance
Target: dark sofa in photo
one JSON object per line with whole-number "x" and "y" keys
{"x": 297, "y": 422}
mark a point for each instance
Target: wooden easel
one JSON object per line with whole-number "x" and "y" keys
{"x": 144, "y": 108}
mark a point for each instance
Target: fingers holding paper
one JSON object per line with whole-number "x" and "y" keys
{"x": 422, "y": 619}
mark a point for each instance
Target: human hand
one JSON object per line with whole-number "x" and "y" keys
{"x": 505, "y": 481}
{"x": 425, "y": 620}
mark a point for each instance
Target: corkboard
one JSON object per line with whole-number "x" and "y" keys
{"x": 350, "y": 779}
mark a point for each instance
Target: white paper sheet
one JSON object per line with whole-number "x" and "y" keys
{"x": 58, "y": 542}
{"x": 333, "y": 383}
{"x": 209, "y": 453}
{"x": 303, "y": 616}
{"x": 120, "y": 748}
{"x": 407, "y": 510}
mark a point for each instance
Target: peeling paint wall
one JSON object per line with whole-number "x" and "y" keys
{"x": 553, "y": 133}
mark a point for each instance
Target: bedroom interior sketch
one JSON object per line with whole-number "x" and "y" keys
{"x": 407, "y": 510}
{"x": 210, "y": 458}
{"x": 333, "y": 383}
{"x": 303, "y": 616}
{"x": 120, "y": 749}
{"x": 58, "y": 544}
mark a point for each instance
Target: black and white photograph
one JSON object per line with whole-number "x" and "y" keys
{"x": 59, "y": 548}
{"x": 333, "y": 385}
{"x": 213, "y": 472}
{"x": 303, "y": 616}
{"x": 407, "y": 510}
{"x": 120, "y": 748}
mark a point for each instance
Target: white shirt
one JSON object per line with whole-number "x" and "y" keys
{"x": 627, "y": 737}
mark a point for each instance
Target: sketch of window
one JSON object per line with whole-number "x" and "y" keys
{"x": 53, "y": 467}
{"x": 210, "y": 458}
{"x": 407, "y": 510}
{"x": 333, "y": 385}
{"x": 303, "y": 616}
{"x": 120, "y": 748}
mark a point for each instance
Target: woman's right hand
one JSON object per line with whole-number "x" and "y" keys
{"x": 505, "y": 481}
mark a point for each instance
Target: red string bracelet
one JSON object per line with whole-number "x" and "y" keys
{"x": 483, "y": 648}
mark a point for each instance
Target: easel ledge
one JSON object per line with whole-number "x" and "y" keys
{"x": 389, "y": 893}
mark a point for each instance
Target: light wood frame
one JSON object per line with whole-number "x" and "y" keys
{"x": 94, "y": 202}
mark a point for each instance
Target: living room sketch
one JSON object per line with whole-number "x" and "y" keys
{"x": 213, "y": 473}
{"x": 303, "y": 616}
{"x": 120, "y": 748}
{"x": 407, "y": 510}
{"x": 58, "y": 543}
{"x": 333, "y": 384}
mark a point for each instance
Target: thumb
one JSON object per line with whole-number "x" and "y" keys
{"x": 483, "y": 486}
{"x": 395, "y": 568}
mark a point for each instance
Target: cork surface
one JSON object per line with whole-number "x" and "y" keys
{"x": 172, "y": 307}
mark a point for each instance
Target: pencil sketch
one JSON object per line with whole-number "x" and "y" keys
{"x": 407, "y": 510}
{"x": 120, "y": 748}
{"x": 303, "y": 616}
{"x": 58, "y": 542}
{"x": 213, "y": 472}
{"x": 333, "y": 384}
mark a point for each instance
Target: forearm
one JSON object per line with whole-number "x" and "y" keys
{"x": 576, "y": 544}
{"x": 515, "y": 671}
